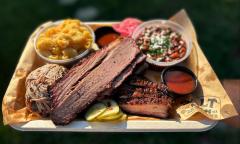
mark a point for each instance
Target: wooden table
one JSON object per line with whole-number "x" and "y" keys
{"x": 232, "y": 87}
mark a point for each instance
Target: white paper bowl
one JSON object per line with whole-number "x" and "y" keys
{"x": 67, "y": 61}
{"x": 166, "y": 24}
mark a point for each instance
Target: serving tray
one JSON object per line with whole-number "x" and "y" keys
{"x": 132, "y": 125}
{"x": 128, "y": 126}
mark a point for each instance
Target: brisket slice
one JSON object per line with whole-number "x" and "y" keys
{"x": 76, "y": 73}
{"x": 93, "y": 77}
{"x": 127, "y": 72}
{"x": 142, "y": 97}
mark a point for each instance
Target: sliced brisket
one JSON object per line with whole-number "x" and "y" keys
{"x": 142, "y": 97}
{"x": 94, "y": 76}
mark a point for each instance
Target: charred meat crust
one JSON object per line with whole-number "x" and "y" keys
{"x": 96, "y": 75}
{"x": 142, "y": 97}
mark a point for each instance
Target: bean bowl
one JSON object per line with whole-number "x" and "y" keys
{"x": 165, "y": 43}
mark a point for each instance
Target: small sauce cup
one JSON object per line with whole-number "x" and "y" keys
{"x": 179, "y": 80}
{"x": 105, "y": 35}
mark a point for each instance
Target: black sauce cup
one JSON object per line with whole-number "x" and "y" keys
{"x": 182, "y": 69}
{"x": 101, "y": 31}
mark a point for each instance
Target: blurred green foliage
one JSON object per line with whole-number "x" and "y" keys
{"x": 218, "y": 27}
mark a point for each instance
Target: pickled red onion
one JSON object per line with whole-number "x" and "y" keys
{"x": 127, "y": 26}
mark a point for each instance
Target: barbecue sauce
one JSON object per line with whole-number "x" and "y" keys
{"x": 106, "y": 39}
{"x": 105, "y": 35}
{"x": 180, "y": 82}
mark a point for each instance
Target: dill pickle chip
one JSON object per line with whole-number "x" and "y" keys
{"x": 112, "y": 117}
{"x": 122, "y": 118}
{"x": 112, "y": 109}
{"x": 95, "y": 111}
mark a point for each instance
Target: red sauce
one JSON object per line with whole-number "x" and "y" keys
{"x": 107, "y": 38}
{"x": 180, "y": 82}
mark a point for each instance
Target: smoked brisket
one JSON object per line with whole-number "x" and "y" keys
{"x": 97, "y": 75}
{"x": 142, "y": 97}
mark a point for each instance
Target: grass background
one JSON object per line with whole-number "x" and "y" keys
{"x": 217, "y": 23}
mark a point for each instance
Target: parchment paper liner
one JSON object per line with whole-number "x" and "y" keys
{"x": 210, "y": 101}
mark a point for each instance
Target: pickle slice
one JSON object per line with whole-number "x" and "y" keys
{"x": 95, "y": 111}
{"x": 122, "y": 118}
{"x": 112, "y": 109}
{"x": 112, "y": 117}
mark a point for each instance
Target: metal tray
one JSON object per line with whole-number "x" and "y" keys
{"x": 128, "y": 126}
